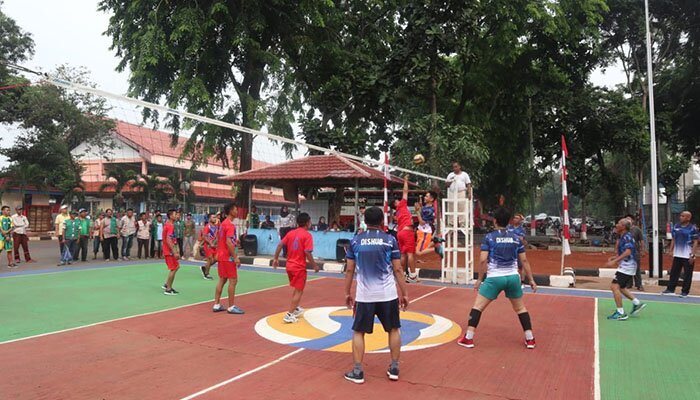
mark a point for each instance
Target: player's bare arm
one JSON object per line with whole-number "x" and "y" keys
{"x": 310, "y": 259}
{"x": 400, "y": 280}
{"x": 349, "y": 274}
{"x": 528, "y": 271}
{"x": 481, "y": 269}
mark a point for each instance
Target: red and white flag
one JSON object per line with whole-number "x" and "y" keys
{"x": 566, "y": 235}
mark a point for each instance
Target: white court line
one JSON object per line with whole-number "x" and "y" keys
{"x": 141, "y": 315}
{"x": 275, "y": 361}
{"x": 596, "y": 353}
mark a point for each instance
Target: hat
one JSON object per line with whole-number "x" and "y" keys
{"x": 64, "y": 207}
{"x": 82, "y": 210}
{"x": 73, "y": 212}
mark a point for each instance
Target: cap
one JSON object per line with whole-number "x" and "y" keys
{"x": 82, "y": 210}
{"x": 73, "y": 212}
{"x": 64, "y": 207}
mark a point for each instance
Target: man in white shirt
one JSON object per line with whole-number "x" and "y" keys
{"x": 127, "y": 231}
{"x": 20, "y": 237}
{"x": 459, "y": 186}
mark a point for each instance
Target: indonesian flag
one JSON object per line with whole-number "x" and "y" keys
{"x": 566, "y": 235}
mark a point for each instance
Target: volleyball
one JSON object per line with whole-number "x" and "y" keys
{"x": 418, "y": 159}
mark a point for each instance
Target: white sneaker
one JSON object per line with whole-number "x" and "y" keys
{"x": 290, "y": 318}
{"x": 298, "y": 312}
{"x": 218, "y": 308}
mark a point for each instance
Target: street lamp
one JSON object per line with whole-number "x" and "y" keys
{"x": 184, "y": 188}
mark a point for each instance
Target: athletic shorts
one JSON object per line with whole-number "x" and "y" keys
{"x": 209, "y": 251}
{"x": 297, "y": 278}
{"x": 386, "y": 311}
{"x": 227, "y": 269}
{"x": 407, "y": 241}
{"x": 6, "y": 244}
{"x": 172, "y": 262}
{"x": 423, "y": 240}
{"x": 492, "y": 287}
{"x": 624, "y": 280}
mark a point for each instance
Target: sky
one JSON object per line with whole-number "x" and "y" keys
{"x": 71, "y": 32}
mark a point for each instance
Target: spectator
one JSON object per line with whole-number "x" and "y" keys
{"x": 335, "y": 227}
{"x": 71, "y": 235}
{"x": 143, "y": 234}
{"x": 267, "y": 224}
{"x": 361, "y": 220}
{"x": 84, "y": 238}
{"x": 322, "y": 225}
{"x": 189, "y": 233}
{"x": 6, "y": 235}
{"x": 58, "y": 226}
{"x": 157, "y": 236}
{"x": 639, "y": 243}
{"x": 153, "y": 237}
{"x": 180, "y": 233}
{"x": 459, "y": 186}
{"x": 19, "y": 235}
{"x": 683, "y": 246}
{"x": 253, "y": 219}
{"x": 96, "y": 229}
{"x": 109, "y": 234}
{"x": 127, "y": 230}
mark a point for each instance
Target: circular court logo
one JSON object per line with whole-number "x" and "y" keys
{"x": 330, "y": 329}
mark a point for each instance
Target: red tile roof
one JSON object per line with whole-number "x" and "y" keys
{"x": 158, "y": 142}
{"x": 4, "y": 183}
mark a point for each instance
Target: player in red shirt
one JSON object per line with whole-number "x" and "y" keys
{"x": 405, "y": 234}
{"x": 300, "y": 245}
{"x": 210, "y": 237}
{"x": 228, "y": 261}
{"x": 170, "y": 251}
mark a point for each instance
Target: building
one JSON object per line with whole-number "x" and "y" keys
{"x": 39, "y": 204}
{"x": 146, "y": 151}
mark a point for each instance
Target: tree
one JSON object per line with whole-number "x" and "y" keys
{"x": 119, "y": 179}
{"x": 153, "y": 188}
{"x": 22, "y": 176}
{"x": 175, "y": 187}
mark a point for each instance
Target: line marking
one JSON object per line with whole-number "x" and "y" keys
{"x": 243, "y": 375}
{"x": 596, "y": 353}
{"x": 141, "y": 315}
{"x": 276, "y": 361}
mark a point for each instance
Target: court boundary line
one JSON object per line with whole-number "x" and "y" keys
{"x": 596, "y": 352}
{"x": 75, "y": 328}
{"x": 277, "y": 360}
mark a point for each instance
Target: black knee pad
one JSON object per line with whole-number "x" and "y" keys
{"x": 474, "y": 317}
{"x": 525, "y": 321}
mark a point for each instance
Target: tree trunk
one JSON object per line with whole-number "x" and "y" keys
{"x": 336, "y": 205}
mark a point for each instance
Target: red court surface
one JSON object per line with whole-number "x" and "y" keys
{"x": 178, "y": 353}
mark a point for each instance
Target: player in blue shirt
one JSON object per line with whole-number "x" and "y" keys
{"x": 376, "y": 258}
{"x": 500, "y": 251}
{"x": 683, "y": 246}
{"x": 626, "y": 269}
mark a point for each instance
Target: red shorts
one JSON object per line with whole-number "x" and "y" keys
{"x": 407, "y": 241}
{"x": 297, "y": 278}
{"x": 172, "y": 262}
{"x": 209, "y": 252}
{"x": 227, "y": 269}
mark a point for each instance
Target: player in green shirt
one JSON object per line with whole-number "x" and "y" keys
{"x": 6, "y": 228}
{"x": 82, "y": 245}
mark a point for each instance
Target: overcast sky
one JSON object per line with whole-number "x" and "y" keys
{"x": 70, "y": 32}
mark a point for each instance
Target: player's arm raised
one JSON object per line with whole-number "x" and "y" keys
{"x": 404, "y": 193}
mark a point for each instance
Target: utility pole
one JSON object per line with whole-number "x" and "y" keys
{"x": 533, "y": 227}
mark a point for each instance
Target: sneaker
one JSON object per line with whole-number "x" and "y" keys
{"x": 235, "y": 310}
{"x": 208, "y": 277}
{"x": 616, "y": 316}
{"x": 440, "y": 251}
{"x": 355, "y": 377}
{"x": 393, "y": 373}
{"x": 62, "y": 263}
{"x": 411, "y": 278}
{"x": 298, "y": 312}
{"x": 218, "y": 308}
{"x": 682, "y": 295}
{"x": 204, "y": 271}
{"x": 667, "y": 292}
{"x": 290, "y": 318}
{"x": 464, "y": 342}
{"x": 637, "y": 308}
{"x": 530, "y": 344}
{"x": 171, "y": 292}
{"x": 165, "y": 286}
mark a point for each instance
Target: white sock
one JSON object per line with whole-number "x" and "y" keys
{"x": 529, "y": 335}
{"x": 621, "y": 310}
{"x": 636, "y": 301}
{"x": 469, "y": 335}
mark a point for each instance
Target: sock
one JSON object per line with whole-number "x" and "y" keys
{"x": 636, "y": 301}
{"x": 621, "y": 310}
{"x": 357, "y": 368}
{"x": 394, "y": 363}
{"x": 469, "y": 335}
{"x": 529, "y": 335}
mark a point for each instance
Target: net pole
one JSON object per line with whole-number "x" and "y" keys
{"x": 386, "y": 190}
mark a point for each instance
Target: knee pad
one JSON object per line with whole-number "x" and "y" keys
{"x": 474, "y": 317}
{"x": 525, "y": 321}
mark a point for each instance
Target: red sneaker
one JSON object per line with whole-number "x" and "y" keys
{"x": 530, "y": 344}
{"x": 464, "y": 342}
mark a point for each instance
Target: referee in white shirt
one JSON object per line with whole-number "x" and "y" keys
{"x": 19, "y": 235}
{"x": 459, "y": 186}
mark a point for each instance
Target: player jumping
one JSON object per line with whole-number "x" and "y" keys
{"x": 405, "y": 234}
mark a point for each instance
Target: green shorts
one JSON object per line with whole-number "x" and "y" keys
{"x": 492, "y": 287}
{"x": 5, "y": 244}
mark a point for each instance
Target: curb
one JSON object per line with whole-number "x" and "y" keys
{"x": 40, "y": 238}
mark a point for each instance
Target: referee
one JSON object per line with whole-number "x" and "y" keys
{"x": 376, "y": 257}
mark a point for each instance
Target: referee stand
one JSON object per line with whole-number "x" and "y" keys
{"x": 457, "y": 229}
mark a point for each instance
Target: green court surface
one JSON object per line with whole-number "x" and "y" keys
{"x": 653, "y": 356}
{"x": 36, "y": 304}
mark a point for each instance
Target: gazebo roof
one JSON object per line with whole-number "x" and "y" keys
{"x": 318, "y": 170}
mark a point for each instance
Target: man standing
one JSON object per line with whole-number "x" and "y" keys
{"x": 500, "y": 252}
{"x": 19, "y": 235}
{"x": 189, "y": 236}
{"x": 626, "y": 269}
{"x": 6, "y": 229}
{"x": 109, "y": 234}
{"x": 71, "y": 235}
{"x": 59, "y": 224}
{"x": 82, "y": 244}
{"x": 96, "y": 240}
{"x": 228, "y": 261}
{"x": 375, "y": 255}
{"x": 143, "y": 234}
{"x": 171, "y": 251}
{"x": 459, "y": 187}
{"x": 180, "y": 233}
{"x": 640, "y": 244}
{"x": 127, "y": 231}
{"x": 405, "y": 234}
{"x": 253, "y": 219}
{"x": 300, "y": 245}
{"x": 684, "y": 245}
{"x": 154, "y": 238}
